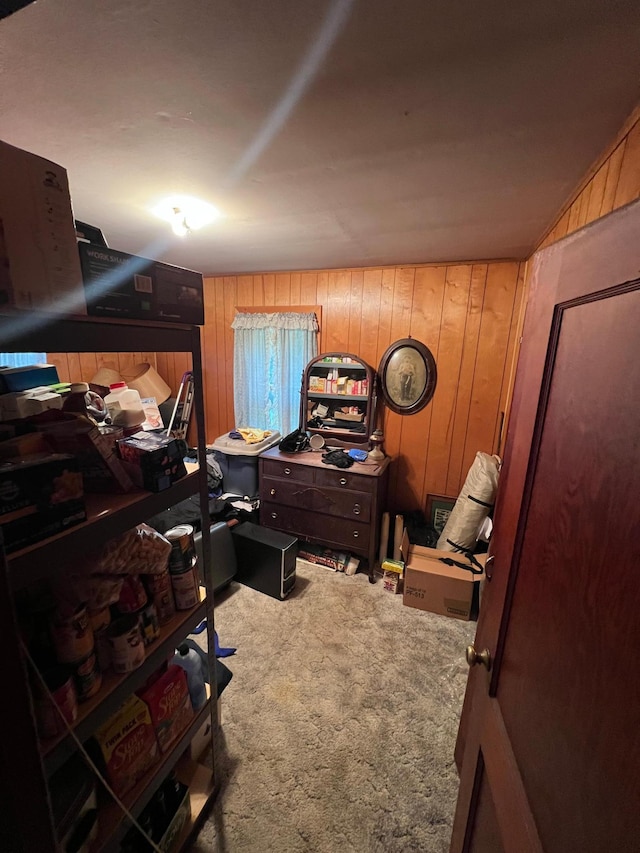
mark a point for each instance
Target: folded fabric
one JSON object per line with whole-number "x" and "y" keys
{"x": 253, "y": 436}
{"x": 338, "y": 458}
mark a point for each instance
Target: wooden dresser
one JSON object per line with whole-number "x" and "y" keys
{"x": 337, "y": 507}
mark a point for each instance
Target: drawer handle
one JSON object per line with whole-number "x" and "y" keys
{"x": 274, "y": 515}
{"x": 287, "y": 470}
{"x": 272, "y": 492}
{"x": 355, "y": 534}
{"x": 343, "y": 481}
{"x": 356, "y": 509}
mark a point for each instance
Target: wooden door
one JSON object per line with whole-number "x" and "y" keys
{"x": 550, "y": 735}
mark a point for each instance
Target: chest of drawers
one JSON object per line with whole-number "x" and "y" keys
{"x": 336, "y": 507}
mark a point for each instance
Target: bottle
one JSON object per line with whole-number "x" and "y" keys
{"x": 124, "y": 407}
{"x": 189, "y": 660}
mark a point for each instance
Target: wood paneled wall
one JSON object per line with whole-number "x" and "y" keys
{"x": 465, "y": 313}
{"x": 80, "y": 367}
{"x": 469, "y": 315}
{"x": 611, "y": 183}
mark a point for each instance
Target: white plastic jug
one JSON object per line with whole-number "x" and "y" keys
{"x": 124, "y": 406}
{"x": 189, "y": 660}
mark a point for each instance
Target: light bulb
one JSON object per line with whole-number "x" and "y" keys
{"x": 186, "y": 214}
{"x": 179, "y": 223}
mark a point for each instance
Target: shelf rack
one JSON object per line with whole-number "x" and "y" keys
{"x": 108, "y": 516}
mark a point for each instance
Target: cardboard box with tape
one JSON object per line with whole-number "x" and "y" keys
{"x": 439, "y": 587}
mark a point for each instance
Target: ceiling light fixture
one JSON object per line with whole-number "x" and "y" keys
{"x": 186, "y": 213}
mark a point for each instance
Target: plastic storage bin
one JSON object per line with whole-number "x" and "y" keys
{"x": 239, "y": 462}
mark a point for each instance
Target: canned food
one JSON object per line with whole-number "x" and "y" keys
{"x": 100, "y": 620}
{"x": 87, "y": 677}
{"x": 148, "y": 623}
{"x": 127, "y": 646}
{"x": 185, "y": 588}
{"x": 183, "y": 549}
{"x": 160, "y": 590}
{"x": 62, "y": 692}
{"x": 133, "y": 595}
{"x": 72, "y": 635}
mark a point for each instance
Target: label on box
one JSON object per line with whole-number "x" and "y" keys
{"x": 39, "y": 495}
{"x": 121, "y": 285}
{"x": 128, "y": 744}
{"x": 169, "y": 706}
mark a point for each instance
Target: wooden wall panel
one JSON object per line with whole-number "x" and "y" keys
{"x": 448, "y": 307}
{"x": 82, "y": 366}
{"x": 469, "y": 315}
{"x": 611, "y": 183}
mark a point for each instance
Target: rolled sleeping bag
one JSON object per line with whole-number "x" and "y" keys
{"x": 475, "y": 501}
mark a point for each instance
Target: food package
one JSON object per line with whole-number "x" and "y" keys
{"x": 139, "y": 551}
{"x": 128, "y": 745}
{"x": 96, "y": 591}
{"x": 169, "y": 705}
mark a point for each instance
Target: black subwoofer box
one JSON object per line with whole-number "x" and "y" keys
{"x": 266, "y": 559}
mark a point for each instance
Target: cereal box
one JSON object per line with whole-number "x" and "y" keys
{"x": 128, "y": 744}
{"x": 169, "y": 705}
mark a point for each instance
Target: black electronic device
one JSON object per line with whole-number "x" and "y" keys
{"x": 266, "y": 559}
{"x": 222, "y": 556}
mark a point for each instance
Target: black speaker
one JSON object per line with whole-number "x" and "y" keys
{"x": 266, "y": 559}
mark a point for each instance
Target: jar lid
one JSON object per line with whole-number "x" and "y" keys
{"x": 79, "y": 387}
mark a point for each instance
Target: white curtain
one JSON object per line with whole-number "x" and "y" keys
{"x": 269, "y": 357}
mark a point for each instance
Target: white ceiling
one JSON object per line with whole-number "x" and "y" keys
{"x": 330, "y": 132}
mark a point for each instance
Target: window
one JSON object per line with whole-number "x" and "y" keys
{"x": 20, "y": 359}
{"x": 271, "y": 351}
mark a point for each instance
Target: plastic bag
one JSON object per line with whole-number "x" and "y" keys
{"x": 139, "y": 551}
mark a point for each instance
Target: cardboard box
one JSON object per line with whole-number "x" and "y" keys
{"x": 169, "y": 706}
{"x": 102, "y": 470}
{"x": 39, "y": 495}
{"x": 121, "y": 285}
{"x": 27, "y": 377}
{"x": 128, "y": 745}
{"x": 39, "y": 266}
{"x": 152, "y": 460}
{"x": 430, "y": 584}
{"x": 392, "y": 572}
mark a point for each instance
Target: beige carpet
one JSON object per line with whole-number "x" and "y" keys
{"x": 339, "y": 724}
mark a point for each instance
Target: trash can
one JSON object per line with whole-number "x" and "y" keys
{"x": 238, "y": 461}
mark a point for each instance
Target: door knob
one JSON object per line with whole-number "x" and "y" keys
{"x": 488, "y": 567}
{"x": 474, "y": 657}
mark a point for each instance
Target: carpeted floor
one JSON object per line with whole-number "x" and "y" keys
{"x": 339, "y": 725}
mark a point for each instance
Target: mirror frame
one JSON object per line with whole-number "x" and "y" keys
{"x": 341, "y": 437}
{"x": 418, "y": 356}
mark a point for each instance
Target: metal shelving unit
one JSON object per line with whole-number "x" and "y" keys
{"x": 107, "y": 516}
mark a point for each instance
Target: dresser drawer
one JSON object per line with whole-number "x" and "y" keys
{"x": 286, "y": 470}
{"x": 327, "y": 529}
{"x": 340, "y": 502}
{"x": 340, "y": 478}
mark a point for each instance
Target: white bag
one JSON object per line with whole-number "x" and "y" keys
{"x": 476, "y": 499}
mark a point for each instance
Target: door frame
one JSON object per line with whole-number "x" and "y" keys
{"x": 567, "y": 270}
